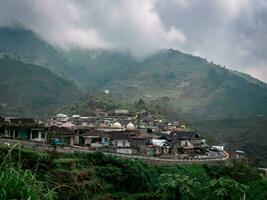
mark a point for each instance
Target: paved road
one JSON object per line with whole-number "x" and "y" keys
{"x": 214, "y": 156}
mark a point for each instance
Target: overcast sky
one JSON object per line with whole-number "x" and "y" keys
{"x": 228, "y": 32}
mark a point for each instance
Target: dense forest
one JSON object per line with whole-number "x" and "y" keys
{"x": 25, "y": 174}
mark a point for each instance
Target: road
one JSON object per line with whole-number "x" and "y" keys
{"x": 213, "y": 155}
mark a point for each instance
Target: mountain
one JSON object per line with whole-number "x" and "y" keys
{"x": 89, "y": 69}
{"x": 196, "y": 88}
{"x": 32, "y": 91}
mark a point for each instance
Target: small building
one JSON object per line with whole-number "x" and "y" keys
{"x": 161, "y": 146}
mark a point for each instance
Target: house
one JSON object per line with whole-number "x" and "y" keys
{"x": 79, "y": 130}
{"x": 65, "y": 135}
{"x": 121, "y": 142}
{"x": 94, "y": 138}
{"x": 38, "y": 134}
{"x": 185, "y": 142}
{"x": 120, "y": 139}
{"x": 24, "y": 129}
{"x": 161, "y": 146}
{"x": 18, "y": 128}
{"x": 182, "y": 135}
{"x": 140, "y": 142}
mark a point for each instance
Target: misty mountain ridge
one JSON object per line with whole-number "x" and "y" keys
{"x": 195, "y": 87}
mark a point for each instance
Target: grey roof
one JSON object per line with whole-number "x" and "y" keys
{"x": 120, "y": 136}
{"x": 22, "y": 120}
{"x": 180, "y": 135}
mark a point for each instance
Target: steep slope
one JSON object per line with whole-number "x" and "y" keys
{"x": 33, "y": 91}
{"x": 195, "y": 86}
{"x": 31, "y": 49}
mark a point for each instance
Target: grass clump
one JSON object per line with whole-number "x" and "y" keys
{"x": 19, "y": 183}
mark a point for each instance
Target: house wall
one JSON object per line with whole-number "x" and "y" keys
{"x": 76, "y": 140}
{"x": 87, "y": 141}
{"x": 124, "y": 151}
{"x": 71, "y": 140}
{"x": 137, "y": 143}
{"x": 41, "y": 136}
{"x": 121, "y": 143}
{"x": 186, "y": 143}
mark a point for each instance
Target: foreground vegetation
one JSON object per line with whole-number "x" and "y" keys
{"x": 25, "y": 174}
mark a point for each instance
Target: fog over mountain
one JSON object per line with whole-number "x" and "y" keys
{"x": 229, "y": 32}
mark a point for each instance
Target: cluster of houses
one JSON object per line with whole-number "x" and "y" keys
{"x": 138, "y": 134}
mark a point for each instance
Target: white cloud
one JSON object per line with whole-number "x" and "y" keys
{"x": 233, "y": 8}
{"x": 130, "y": 25}
{"x": 229, "y": 32}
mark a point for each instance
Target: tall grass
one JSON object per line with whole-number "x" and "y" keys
{"x": 18, "y": 183}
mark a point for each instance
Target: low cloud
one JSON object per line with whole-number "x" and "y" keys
{"x": 229, "y": 32}
{"x": 130, "y": 25}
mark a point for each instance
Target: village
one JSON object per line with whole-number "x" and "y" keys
{"x": 119, "y": 132}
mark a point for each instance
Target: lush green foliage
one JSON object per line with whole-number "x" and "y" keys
{"x": 18, "y": 183}
{"x": 98, "y": 176}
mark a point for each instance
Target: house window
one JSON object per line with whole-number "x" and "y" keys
{"x": 43, "y": 135}
{"x": 123, "y": 143}
{"x": 34, "y": 134}
{"x": 116, "y": 143}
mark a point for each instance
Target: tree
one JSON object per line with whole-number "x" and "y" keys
{"x": 176, "y": 187}
{"x": 225, "y": 188}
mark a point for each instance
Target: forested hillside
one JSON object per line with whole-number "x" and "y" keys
{"x": 32, "y": 91}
